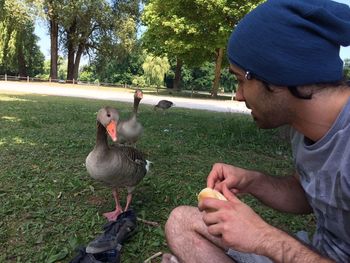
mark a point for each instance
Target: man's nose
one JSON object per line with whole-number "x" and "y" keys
{"x": 239, "y": 94}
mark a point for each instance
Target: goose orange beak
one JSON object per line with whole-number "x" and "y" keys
{"x": 112, "y": 130}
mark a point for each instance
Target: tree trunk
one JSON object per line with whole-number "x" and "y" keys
{"x": 54, "y": 49}
{"x": 71, "y": 52}
{"x": 176, "y": 85}
{"x": 7, "y": 37}
{"x": 77, "y": 61}
{"x": 70, "y": 67}
{"x": 22, "y": 69}
{"x": 219, "y": 56}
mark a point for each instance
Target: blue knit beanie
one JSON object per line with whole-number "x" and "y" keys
{"x": 292, "y": 42}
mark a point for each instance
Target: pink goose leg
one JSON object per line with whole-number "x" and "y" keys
{"x": 128, "y": 201}
{"x": 112, "y": 216}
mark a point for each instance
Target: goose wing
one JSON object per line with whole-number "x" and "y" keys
{"x": 132, "y": 166}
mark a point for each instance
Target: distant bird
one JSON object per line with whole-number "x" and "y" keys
{"x": 116, "y": 166}
{"x": 164, "y": 104}
{"x": 129, "y": 131}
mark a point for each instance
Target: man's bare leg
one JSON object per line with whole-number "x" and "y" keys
{"x": 169, "y": 258}
{"x": 188, "y": 239}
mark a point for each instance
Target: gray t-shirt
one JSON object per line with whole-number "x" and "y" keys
{"x": 324, "y": 168}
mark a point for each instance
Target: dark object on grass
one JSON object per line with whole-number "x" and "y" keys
{"x": 117, "y": 166}
{"x": 110, "y": 256}
{"x": 164, "y": 104}
{"x": 115, "y": 232}
{"x": 107, "y": 246}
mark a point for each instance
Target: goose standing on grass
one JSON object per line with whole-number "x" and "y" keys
{"x": 164, "y": 104}
{"x": 130, "y": 131}
{"x": 117, "y": 166}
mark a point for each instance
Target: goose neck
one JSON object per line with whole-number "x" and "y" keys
{"x": 136, "y": 104}
{"x": 101, "y": 136}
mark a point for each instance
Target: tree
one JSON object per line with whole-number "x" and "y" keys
{"x": 50, "y": 10}
{"x": 168, "y": 33}
{"x": 54, "y": 11}
{"x": 155, "y": 69}
{"x": 139, "y": 81}
{"x": 19, "y": 53}
{"x": 199, "y": 78}
{"x": 228, "y": 81}
{"x": 88, "y": 27}
{"x": 98, "y": 26}
{"x": 82, "y": 19}
{"x": 347, "y": 68}
{"x": 2, "y": 3}
{"x": 29, "y": 52}
{"x": 180, "y": 29}
{"x": 121, "y": 67}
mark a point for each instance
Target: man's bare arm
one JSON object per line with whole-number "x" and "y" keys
{"x": 281, "y": 193}
{"x": 281, "y": 247}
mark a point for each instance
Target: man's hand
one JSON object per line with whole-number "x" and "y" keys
{"x": 240, "y": 228}
{"x": 236, "y": 179}
{"x": 236, "y": 223}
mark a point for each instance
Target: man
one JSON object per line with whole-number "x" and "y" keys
{"x": 285, "y": 55}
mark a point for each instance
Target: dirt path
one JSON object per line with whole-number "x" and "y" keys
{"x": 94, "y": 92}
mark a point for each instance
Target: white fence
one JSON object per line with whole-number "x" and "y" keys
{"x": 79, "y": 82}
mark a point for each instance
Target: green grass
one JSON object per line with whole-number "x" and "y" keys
{"x": 49, "y": 204}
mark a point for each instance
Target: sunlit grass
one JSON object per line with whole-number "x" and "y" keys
{"x": 50, "y": 205}
{"x": 10, "y": 118}
{"x": 7, "y": 98}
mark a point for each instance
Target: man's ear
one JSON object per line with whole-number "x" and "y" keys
{"x": 302, "y": 92}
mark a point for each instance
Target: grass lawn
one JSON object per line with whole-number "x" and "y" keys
{"x": 49, "y": 204}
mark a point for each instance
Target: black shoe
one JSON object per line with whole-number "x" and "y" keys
{"x": 115, "y": 232}
{"x": 109, "y": 256}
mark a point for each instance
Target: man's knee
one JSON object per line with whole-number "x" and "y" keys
{"x": 175, "y": 218}
{"x": 180, "y": 219}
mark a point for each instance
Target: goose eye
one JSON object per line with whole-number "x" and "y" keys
{"x": 108, "y": 115}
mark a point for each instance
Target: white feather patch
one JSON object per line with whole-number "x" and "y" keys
{"x": 148, "y": 164}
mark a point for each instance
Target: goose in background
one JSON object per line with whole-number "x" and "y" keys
{"x": 116, "y": 166}
{"x": 164, "y": 104}
{"x": 129, "y": 131}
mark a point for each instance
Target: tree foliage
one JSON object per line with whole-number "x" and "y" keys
{"x": 201, "y": 78}
{"x": 194, "y": 31}
{"x": 119, "y": 68}
{"x": 155, "y": 69}
{"x": 347, "y": 69}
{"x": 19, "y": 52}
{"x": 61, "y": 69}
{"x": 89, "y": 27}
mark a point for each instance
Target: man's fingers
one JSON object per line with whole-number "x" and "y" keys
{"x": 210, "y": 218}
{"x": 215, "y": 230}
{"x": 208, "y": 205}
{"x": 229, "y": 195}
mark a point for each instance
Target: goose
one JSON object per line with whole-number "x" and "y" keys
{"x": 117, "y": 166}
{"x": 164, "y": 104}
{"x": 130, "y": 131}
